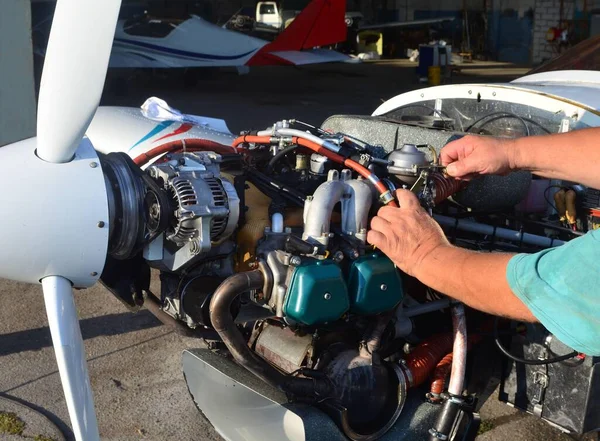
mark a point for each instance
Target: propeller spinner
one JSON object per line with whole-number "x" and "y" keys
{"x": 55, "y": 219}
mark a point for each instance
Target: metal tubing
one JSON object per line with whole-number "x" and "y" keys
{"x": 317, "y": 213}
{"x": 355, "y": 209}
{"x": 426, "y": 308}
{"x": 222, "y": 321}
{"x": 459, "y": 351}
{"x": 309, "y": 137}
{"x": 504, "y": 233}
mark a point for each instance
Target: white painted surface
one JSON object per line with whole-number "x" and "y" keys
{"x": 74, "y": 73}
{"x": 70, "y": 357}
{"x": 193, "y": 43}
{"x": 126, "y": 129}
{"x": 578, "y": 100}
{"x": 50, "y": 216}
{"x": 566, "y": 77}
{"x": 17, "y": 92}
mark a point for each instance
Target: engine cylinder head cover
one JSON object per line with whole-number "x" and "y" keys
{"x": 374, "y": 285}
{"x": 317, "y": 293}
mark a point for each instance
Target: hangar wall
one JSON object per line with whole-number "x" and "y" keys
{"x": 17, "y": 94}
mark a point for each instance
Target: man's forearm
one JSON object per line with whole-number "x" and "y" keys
{"x": 572, "y": 156}
{"x": 476, "y": 279}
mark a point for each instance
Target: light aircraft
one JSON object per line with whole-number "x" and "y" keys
{"x": 151, "y": 43}
{"x": 328, "y": 340}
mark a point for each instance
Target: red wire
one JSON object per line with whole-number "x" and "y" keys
{"x": 193, "y": 144}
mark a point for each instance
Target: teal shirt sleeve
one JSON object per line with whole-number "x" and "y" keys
{"x": 561, "y": 287}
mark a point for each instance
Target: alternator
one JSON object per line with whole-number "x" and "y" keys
{"x": 205, "y": 208}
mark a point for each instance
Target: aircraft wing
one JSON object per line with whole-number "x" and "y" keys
{"x": 312, "y": 56}
{"x": 406, "y": 24}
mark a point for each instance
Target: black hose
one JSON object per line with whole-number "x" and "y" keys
{"x": 280, "y": 155}
{"x": 222, "y": 321}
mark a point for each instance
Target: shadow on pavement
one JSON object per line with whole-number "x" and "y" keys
{"x": 107, "y": 325}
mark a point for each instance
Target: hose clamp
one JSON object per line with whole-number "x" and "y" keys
{"x": 386, "y": 197}
{"x": 438, "y": 435}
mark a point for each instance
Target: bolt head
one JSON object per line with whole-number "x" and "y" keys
{"x": 338, "y": 256}
{"x": 93, "y": 274}
{"x": 327, "y": 296}
{"x": 295, "y": 260}
{"x": 93, "y": 164}
{"x": 383, "y": 287}
{"x": 101, "y": 224}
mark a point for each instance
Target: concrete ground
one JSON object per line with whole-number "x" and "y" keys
{"x": 134, "y": 361}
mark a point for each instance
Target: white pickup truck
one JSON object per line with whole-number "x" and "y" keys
{"x": 279, "y": 15}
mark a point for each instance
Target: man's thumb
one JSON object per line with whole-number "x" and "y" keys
{"x": 458, "y": 169}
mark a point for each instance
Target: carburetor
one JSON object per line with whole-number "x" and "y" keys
{"x": 204, "y": 209}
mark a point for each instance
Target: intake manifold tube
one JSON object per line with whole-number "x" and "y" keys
{"x": 355, "y": 197}
{"x": 222, "y": 320}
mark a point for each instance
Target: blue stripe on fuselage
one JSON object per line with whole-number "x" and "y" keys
{"x": 182, "y": 52}
{"x": 155, "y": 131}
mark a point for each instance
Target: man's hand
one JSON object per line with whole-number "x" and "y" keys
{"x": 406, "y": 234}
{"x": 472, "y": 156}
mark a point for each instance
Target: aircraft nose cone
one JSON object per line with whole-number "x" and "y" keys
{"x": 53, "y": 217}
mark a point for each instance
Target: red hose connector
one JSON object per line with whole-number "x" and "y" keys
{"x": 191, "y": 145}
{"x": 438, "y": 382}
{"x": 442, "y": 370}
{"x": 421, "y": 362}
{"x": 446, "y": 186}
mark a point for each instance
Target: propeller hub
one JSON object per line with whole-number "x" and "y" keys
{"x": 54, "y": 218}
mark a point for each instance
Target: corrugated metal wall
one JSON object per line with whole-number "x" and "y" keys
{"x": 17, "y": 95}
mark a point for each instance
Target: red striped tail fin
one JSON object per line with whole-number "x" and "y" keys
{"x": 321, "y": 23}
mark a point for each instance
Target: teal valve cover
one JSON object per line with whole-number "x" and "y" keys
{"x": 317, "y": 293}
{"x": 374, "y": 285}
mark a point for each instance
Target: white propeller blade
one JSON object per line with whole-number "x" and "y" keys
{"x": 70, "y": 356}
{"x": 74, "y": 73}
{"x": 54, "y": 212}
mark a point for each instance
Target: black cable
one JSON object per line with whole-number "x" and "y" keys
{"x": 440, "y": 113}
{"x": 504, "y": 115}
{"x": 529, "y": 120}
{"x": 310, "y": 126}
{"x": 546, "y": 196}
{"x": 527, "y": 361}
